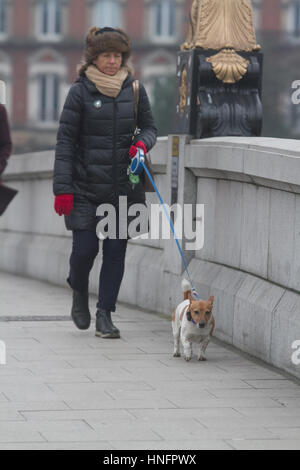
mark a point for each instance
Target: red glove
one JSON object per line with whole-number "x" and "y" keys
{"x": 63, "y": 204}
{"x": 133, "y": 148}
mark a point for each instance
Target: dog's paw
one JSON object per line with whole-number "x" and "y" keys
{"x": 201, "y": 358}
{"x": 176, "y": 354}
{"x": 187, "y": 358}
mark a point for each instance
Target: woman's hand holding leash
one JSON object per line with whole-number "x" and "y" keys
{"x": 134, "y": 148}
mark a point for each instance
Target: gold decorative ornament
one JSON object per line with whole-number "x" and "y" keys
{"x": 218, "y": 24}
{"x": 229, "y": 67}
{"x": 183, "y": 90}
{"x": 225, "y": 25}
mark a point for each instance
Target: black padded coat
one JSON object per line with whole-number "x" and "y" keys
{"x": 93, "y": 140}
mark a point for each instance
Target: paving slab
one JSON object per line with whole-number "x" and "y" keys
{"x": 265, "y": 444}
{"x": 62, "y": 388}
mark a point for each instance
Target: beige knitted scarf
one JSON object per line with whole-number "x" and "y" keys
{"x": 107, "y": 85}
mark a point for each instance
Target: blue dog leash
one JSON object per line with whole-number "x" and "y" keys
{"x": 136, "y": 169}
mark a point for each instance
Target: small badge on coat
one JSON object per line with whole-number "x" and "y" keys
{"x": 98, "y": 104}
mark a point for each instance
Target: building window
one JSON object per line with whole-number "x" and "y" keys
{"x": 294, "y": 18}
{"x": 48, "y": 98}
{"x": 49, "y": 18}
{"x": 47, "y": 87}
{"x": 107, "y": 13}
{"x": 163, "y": 19}
{"x": 2, "y": 16}
{"x": 159, "y": 77}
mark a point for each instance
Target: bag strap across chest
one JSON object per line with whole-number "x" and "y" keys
{"x": 136, "y": 91}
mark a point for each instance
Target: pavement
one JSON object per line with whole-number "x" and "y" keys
{"x": 62, "y": 388}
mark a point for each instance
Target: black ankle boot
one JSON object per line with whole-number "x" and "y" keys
{"x": 80, "y": 310}
{"x": 104, "y": 325}
{"x": 115, "y": 329}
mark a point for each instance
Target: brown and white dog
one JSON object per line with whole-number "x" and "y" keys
{"x": 192, "y": 322}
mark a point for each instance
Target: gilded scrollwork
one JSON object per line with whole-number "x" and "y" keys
{"x": 228, "y": 66}
{"x": 226, "y": 25}
{"x": 183, "y": 90}
{"x": 218, "y": 24}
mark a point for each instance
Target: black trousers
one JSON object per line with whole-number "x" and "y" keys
{"x": 84, "y": 251}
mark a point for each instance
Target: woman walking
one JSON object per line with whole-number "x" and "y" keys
{"x": 94, "y": 146}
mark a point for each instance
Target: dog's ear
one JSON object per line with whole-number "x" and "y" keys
{"x": 211, "y": 299}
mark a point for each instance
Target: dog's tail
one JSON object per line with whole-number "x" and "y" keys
{"x": 186, "y": 289}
